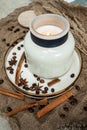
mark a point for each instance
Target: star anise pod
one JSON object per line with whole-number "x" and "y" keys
{"x": 10, "y": 69}
{"x": 23, "y": 82}
{"x": 12, "y": 62}
{"x": 36, "y": 87}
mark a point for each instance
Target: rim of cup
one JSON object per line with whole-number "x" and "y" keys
{"x": 49, "y": 19}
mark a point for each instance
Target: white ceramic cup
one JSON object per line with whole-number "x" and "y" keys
{"x": 49, "y": 56}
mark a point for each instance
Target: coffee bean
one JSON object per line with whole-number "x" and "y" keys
{"x": 11, "y": 72}
{"x": 37, "y": 91}
{"x": 72, "y": 75}
{"x": 77, "y": 87}
{"x": 71, "y": 27}
{"x": 19, "y": 84}
{"x": 3, "y": 39}
{"x": 26, "y": 88}
{"x": 16, "y": 30}
{"x": 31, "y": 110}
{"x": 9, "y": 109}
{"x": 23, "y": 87}
{"x": 26, "y": 65}
{"x": 34, "y": 84}
{"x": 14, "y": 53}
{"x": 10, "y": 29}
{"x": 46, "y": 88}
{"x": 71, "y": 97}
{"x": 62, "y": 115}
{"x": 73, "y": 101}
{"x": 24, "y": 31}
{"x": 44, "y": 91}
{"x": 41, "y": 106}
{"x": 66, "y": 108}
{"x": 38, "y": 78}
{"x": 14, "y": 57}
{"x": 52, "y": 90}
{"x": 8, "y": 44}
{"x": 85, "y": 108}
{"x": 1, "y": 81}
{"x": 42, "y": 81}
{"x": 19, "y": 48}
{"x": 22, "y": 45}
{"x": 35, "y": 75}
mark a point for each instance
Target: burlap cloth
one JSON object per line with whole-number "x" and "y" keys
{"x": 72, "y": 114}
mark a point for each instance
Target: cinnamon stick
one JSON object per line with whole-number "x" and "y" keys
{"x": 11, "y": 94}
{"x": 52, "y": 82}
{"x": 19, "y": 68}
{"x": 21, "y": 108}
{"x": 27, "y": 105}
{"x": 54, "y": 104}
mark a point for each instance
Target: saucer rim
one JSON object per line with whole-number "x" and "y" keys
{"x": 39, "y": 96}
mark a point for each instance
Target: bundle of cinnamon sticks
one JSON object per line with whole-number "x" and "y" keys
{"x": 47, "y": 108}
{"x": 44, "y": 101}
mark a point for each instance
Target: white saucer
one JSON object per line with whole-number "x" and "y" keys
{"x": 59, "y": 88}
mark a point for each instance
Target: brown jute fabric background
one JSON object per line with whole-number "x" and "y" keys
{"x": 72, "y": 114}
